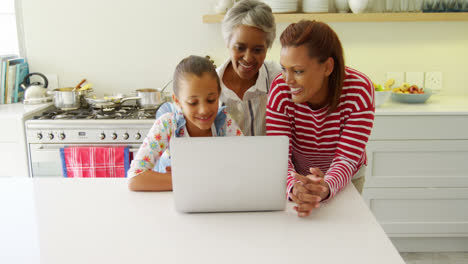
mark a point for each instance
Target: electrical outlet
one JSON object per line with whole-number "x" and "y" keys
{"x": 415, "y": 78}
{"x": 399, "y": 78}
{"x": 433, "y": 81}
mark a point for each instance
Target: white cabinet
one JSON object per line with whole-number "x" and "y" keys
{"x": 420, "y": 212}
{"x": 13, "y": 152}
{"x": 417, "y": 175}
{"x": 417, "y": 163}
{"x": 13, "y": 158}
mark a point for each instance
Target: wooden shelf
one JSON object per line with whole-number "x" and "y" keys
{"x": 364, "y": 17}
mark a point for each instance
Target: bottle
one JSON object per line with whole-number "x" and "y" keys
{"x": 404, "y": 5}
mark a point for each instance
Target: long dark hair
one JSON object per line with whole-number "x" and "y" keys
{"x": 322, "y": 43}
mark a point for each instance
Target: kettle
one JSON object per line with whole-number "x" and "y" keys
{"x": 36, "y": 89}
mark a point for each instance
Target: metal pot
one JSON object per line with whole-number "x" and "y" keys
{"x": 67, "y": 98}
{"x": 148, "y": 98}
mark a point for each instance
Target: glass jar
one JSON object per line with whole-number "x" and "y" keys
{"x": 404, "y": 5}
{"x": 388, "y": 6}
{"x": 454, "y": 5}
{"x": 438, "y": 6}
{"x": 464, "y": 6}
{"x": 427, "y": 5}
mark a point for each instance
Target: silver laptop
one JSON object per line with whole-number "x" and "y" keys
{"x": 228, "y": 174}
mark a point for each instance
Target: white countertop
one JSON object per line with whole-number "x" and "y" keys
{"x": 91, "y": 221}
{"x": 21, "y": 110}
{"x": 435, "y": 105}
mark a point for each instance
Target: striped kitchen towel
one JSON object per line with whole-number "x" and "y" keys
{"x": 95, "y": 162}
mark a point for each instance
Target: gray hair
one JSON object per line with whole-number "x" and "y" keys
{"x": 193, "y": 65}
{"x": 250, "y": 13}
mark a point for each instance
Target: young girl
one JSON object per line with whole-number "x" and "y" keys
{"x": 196, "y": 95}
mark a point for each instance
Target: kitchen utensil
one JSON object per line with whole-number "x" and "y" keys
{"x": 108, "y": 102}
{"x": 34, "y": 90}
{"x": 149, "y": 98}
{"x": 165, "y": 86}
{"x": 412, "y": 98}
{"x": 79, "y": 85}
{"x": 85, "y": 87}
{"x": 67, "y": 98}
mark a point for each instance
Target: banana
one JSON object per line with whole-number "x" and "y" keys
{"x": 389, "y": 83}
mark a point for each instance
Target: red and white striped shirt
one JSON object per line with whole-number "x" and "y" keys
{"x": 333, "y": 142}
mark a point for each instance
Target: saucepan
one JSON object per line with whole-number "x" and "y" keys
{"x": 150, "y": 98}
{"x": 108, "y": 102}
{"x": 146, "y": 99}
{"x": 69, "y": 98}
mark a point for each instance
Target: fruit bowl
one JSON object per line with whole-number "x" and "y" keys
{"x": 409, "y": 98}
{"x": 381, "y": 97}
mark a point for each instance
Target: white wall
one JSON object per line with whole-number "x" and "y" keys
{"x": 121, "y": 46}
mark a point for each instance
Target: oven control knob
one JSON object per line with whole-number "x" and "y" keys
{"x": 137, "y": 136}
{"x": 114, "y": 136}
{"x": 39, "y": 135}
{"x": 125, "y": 136}
{"x": 51, "y": 136}
{"x": 102, "y": 136}
{"x": 62, "y": 136}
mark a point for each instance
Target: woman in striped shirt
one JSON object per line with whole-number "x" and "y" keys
{"x": 327, "y": 111}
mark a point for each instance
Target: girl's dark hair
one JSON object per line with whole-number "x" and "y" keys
{"x": 194, "y": 65}
{"x": 322, "y": 43}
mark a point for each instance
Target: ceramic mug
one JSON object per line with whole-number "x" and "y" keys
{"x": 358, "y": 6}
{"x": 342, "y": 6}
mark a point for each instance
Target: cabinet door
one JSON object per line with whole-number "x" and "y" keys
{"x": 13, "y": 158}
{"x": 419, "y": 127}
{"x": 420, "y": 212}
{"x": 421, "y": 163}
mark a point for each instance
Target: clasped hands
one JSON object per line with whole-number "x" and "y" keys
{"x": 309, "y": 191}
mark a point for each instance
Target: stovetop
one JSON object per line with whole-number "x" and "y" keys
{"x": 123, "y": 112}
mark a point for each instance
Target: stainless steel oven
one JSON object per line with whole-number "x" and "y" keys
{"x": 46, "y": 136}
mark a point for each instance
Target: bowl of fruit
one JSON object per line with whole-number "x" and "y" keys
{"x": 381, "y": 94}
{"x": 410, "y": 94}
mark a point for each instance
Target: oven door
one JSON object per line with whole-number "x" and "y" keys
{"x": 45, "y": 161}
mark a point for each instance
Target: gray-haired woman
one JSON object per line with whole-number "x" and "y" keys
{"x": 249, "y": 30}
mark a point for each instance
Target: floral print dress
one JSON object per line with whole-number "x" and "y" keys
{"x": 159, "y": 137}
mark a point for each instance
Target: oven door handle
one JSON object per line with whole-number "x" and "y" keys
{"x": 133, "y": 149}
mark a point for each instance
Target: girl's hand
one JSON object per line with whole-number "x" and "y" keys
{"x": 308, "y": 193}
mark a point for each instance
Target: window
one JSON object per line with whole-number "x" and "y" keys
{"x": 8, "y": 30}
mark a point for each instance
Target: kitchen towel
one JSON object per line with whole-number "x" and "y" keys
{"x": 95, "y": 162}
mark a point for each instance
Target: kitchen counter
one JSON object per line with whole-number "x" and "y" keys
{"x": 56, "y": 221}
{"x": 435, "y": 105}
{"x": 21, "y": 110}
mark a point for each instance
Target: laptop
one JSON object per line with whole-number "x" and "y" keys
{"x": 229, "y": 174}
